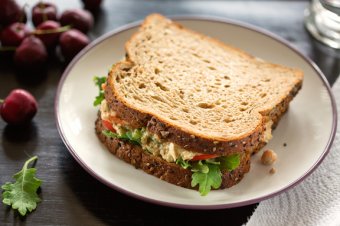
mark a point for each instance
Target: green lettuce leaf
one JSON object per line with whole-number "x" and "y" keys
{"x": 230, "y": 162}
{"x": 183, "y": 163}
{"x": 99, "y": 81}
{"x": 213, "y": 161}
{"x": 134, "y": 136}
{"x": 22, "y": 194}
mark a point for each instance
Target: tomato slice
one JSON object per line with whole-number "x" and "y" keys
{"x": 203, "y": 157}
{"x": 108, "y": 125}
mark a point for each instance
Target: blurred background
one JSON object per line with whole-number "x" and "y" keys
{"x": 284, "y": 18}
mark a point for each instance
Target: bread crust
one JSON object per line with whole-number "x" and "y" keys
{"x": 156, "y": 166}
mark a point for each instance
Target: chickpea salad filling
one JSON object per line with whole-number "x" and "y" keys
{"x": 206, "y": 168}
{"x": 149, "y": 142}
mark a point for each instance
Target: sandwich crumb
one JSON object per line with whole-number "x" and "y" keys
{"x": 164, "y": 134}
{"x": 268, "y": 157}
{"x": 272, "y": 170}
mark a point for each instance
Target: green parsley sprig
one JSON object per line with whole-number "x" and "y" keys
{"x": 207, "y": 173}
{"x": 99, "y": 81}
{"x": 210, "y": 177}
{"x": 22, "y": 194}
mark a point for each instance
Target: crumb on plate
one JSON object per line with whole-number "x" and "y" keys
{"x": 268, "y": 157}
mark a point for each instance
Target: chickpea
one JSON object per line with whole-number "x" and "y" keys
{"x": 268, "y": 157}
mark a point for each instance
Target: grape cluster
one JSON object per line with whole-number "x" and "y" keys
{"x": 32, "y": 47}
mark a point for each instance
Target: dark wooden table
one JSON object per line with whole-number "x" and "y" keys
{"x": 70, "y": 195}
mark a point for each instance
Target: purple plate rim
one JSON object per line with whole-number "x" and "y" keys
{"x": 216, "y": 20}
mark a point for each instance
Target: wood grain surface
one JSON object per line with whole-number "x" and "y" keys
{"x": 70, "y": 196}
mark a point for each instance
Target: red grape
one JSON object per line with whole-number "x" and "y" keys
{"x": 43, "y": 11}
{"x": 11, "y": 12}
{"x": 78, "y": 18}
{"x": 14, "y": 34}
{"x": 50, "y": 39}
{"x": 31, "y": 54}
{"x": 71, "y": 42}
{"x": 19, "y": 107}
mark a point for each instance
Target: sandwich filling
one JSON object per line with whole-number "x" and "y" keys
{"x": 151, "y": 143}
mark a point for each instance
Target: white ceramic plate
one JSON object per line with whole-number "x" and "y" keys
{"x": 307, "y": 128}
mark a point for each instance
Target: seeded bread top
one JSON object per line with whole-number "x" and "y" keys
{"x": 197, "y": 84}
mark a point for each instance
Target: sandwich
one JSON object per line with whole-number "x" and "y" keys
{"x": 189, "y": 109}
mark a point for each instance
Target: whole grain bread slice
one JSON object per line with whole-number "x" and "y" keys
{"x": 158, "y": 167}
{"x": 202, "y": 94}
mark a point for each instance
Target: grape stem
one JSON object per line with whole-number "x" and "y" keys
{"x": 1, "y": 101}
{"x": 44, "y": 15}
{"x": 52, "y": 31}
